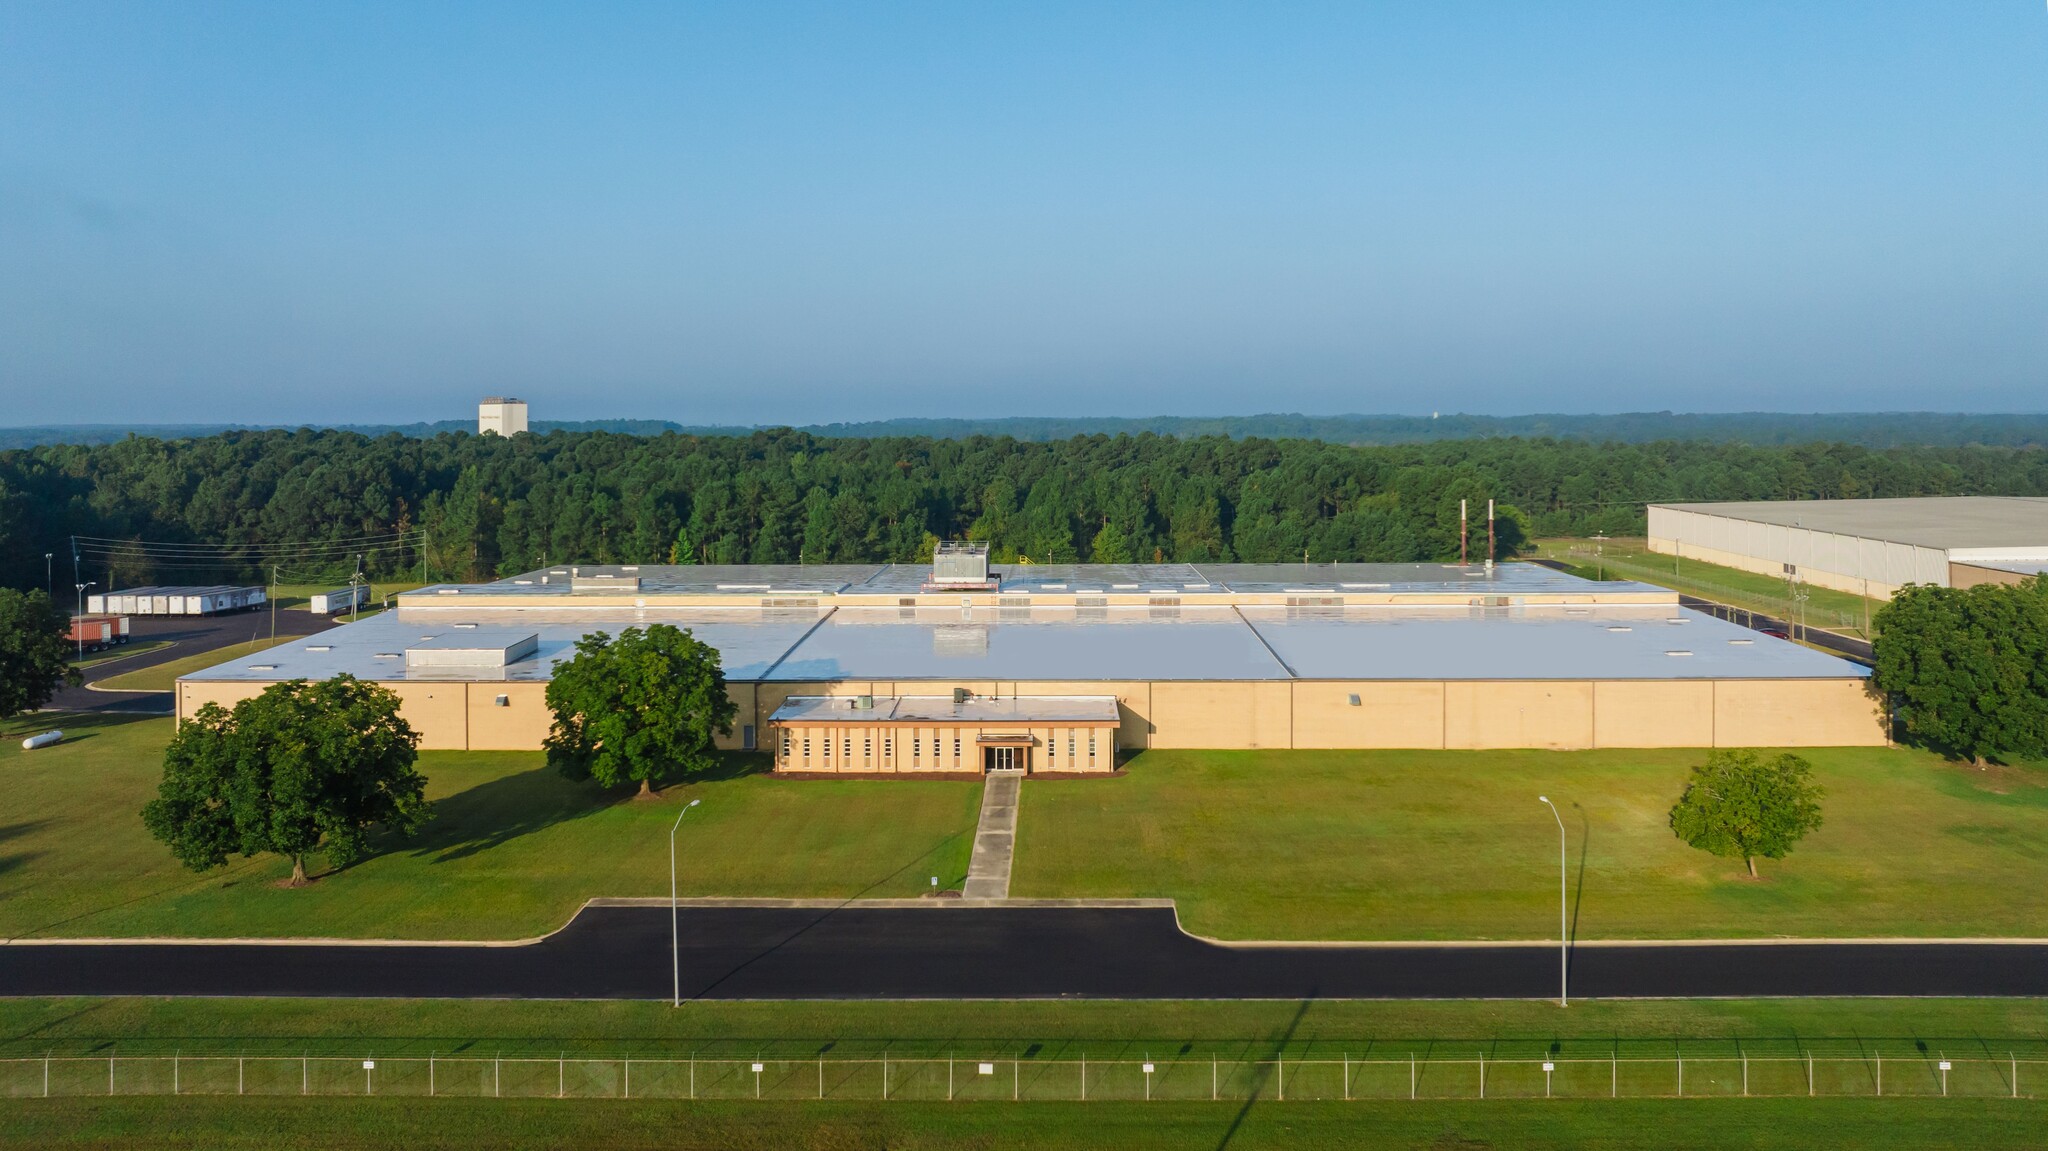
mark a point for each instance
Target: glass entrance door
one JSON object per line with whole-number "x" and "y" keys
{"x": 1002, "y": 759}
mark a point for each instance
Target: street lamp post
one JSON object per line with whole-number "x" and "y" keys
{"x": 81, "y": 611}
{"x": 1563, "y": 930}
{"x": 50, "y": 575}
{"x": 675, "y": 947}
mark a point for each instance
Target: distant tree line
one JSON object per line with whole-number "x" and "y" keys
{"x": 479, "y": 506}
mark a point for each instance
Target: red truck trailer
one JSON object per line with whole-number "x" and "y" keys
{"x": 97, "y": 632}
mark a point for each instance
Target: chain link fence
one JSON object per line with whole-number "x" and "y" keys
{"x": 1008, "y": 1078}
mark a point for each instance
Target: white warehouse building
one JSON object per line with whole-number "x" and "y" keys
{"x": 1865, "y": 547}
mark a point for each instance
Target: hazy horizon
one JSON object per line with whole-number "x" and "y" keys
{"x": 810, "y": 213}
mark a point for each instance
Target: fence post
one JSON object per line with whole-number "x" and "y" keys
{"x": 1212, "y": 1077}
{"x": 1681, "y": 1076}
{"x": 1809, "y": 1075}
{"x": 174, "y": 1071}
{"x": 1347, "y": 1076}
{"x": 1016, "y": 1081}
{"x": 949, "y": 1078}
{"x": 1745, "y": 1074}
{"x": 1084, "y": 1077}
{"x": 693, "y": 1075}
{"x": 821, "y": 1076}
{"x": 1614, "y": 1072}
{"x": 110, "y": 1075}
{"x": 430, "y": 1074}
{"x": 305, "y": 1075}
{"x": 1280, "y": 1059}
{"x": 561, "y": 1074}
{"x": 2015, "y": 1074}
{"x": 1411, "y": 1076}
{"x": 238, "y": 1075}
{"x": 495, "y": 1060}
{"x": 46, "y": 1075}
{"x": 1482, "y": 1074}
{"x": 885, "y": 1076}
{"x": 1880, "y": 1073}
{"x": 629, "y": 1077}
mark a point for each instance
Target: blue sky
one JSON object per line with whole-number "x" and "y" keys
{"x": 776, "y": 212}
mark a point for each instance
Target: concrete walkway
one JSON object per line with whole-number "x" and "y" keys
{"x": 995, "y": 840}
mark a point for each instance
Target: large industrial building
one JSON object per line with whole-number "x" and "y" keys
{"x": 1057, "y": 668}
{"x": 1867, "y": 547}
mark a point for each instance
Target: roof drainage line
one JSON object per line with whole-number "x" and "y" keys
{"x": 763, "y": 677}
{"x": 1254, "y": 629}
{"x": 1205, "y": 577}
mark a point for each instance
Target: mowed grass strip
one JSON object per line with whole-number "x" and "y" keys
{"x": 1455, "y": 845}
{"x": 513, "y": 850}
{"x": 281, "y": 1124}
{"x": 164, "y": 676}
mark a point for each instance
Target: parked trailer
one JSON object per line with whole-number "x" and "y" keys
{"x": 339, "y": 600}
{"x": 95, "y": 632}
{"x": 177, "y": 600}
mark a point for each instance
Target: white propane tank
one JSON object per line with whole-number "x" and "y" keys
{"x": 44, "y": 740}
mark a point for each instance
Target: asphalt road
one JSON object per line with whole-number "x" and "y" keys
{"x": 189, "y": 635}
{"x": 977, "y": 953}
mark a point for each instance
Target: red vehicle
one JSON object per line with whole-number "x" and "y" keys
{"x": 1775, "y": 631}
{"x": 97, "y": 632}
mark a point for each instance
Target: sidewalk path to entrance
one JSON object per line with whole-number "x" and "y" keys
{"x": 995, "y": 840}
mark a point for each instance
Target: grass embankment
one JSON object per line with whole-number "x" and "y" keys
{"x": 299, "y": 595}
{"x": 164, "y": 676}
{"x": 1908, "y": 1030}
{"x": 1632, "y": 559}
{"x": 1454, "y": 845}
{"x": 512, "y": 851}
{"x": 271, "y": 1124}
{"x": 120, "y": 651}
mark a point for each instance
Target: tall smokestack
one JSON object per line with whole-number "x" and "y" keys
{"x": 1489, "y": 536}
{"x": 1461, "y": 533}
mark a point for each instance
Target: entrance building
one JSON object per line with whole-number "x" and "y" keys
{"x": 866, "y": 734}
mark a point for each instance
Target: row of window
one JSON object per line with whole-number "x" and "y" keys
{"x": 831, "y": 748}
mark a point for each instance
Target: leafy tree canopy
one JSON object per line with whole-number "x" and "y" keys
{"x": 34, "y": 653}
{"x": 644, "y": 707}
{"x": 1739, "y": 805}
{"x": 1967, "y": 669}
{"x": 303, "y": 766}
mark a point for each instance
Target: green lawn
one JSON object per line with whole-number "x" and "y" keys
{"x": 285, "y": 1124}
{"x": 513, "y": 850}
{"x": 164, "y": 676}
{"x": 1453, "y": 845}
{"x": 1632, "y": 559}
{"x": 1908, "y": 1031}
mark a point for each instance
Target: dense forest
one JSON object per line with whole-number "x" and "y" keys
{"x": 1868, "y": 429}
{"x": 466, "y": 506}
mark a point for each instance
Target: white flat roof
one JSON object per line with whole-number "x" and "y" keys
{"x": 1945, "y": 522}
{"x": 942, "y": 709}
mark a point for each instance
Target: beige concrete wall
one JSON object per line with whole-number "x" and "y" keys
{"x": 522, "y": 724}
{"x": 1970, "y": 575}
{"x": 1518, "y": 714}
{"x": 1388, "y": 714}
{"x": 1796, "y": 713}
{"x": 1653, "y": 713}
{"x": 1252, "y": 714}
{"x": 438, "y": 711}
{"x": 878, "y": 747}
{"x": 193, "y": 696}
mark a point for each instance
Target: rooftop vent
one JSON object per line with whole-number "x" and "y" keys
{"x": 1619, "y": 627}
{"x": 959, "y": 564}
{"x": 262, "y": 667}
{"x": 1677, "y": 653}
{"x": 1741, "y": 642}
{"x": 319, "y": 647}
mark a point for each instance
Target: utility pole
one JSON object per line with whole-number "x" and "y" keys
{"x": 273, "y": 603}
{"x": 50, "y": 578}
{"x": 355, "y": 602}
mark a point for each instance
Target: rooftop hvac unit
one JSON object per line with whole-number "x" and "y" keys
{"x": 958, "y": 564}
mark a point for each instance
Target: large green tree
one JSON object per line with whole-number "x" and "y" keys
{"x": 1967, "y": 669}
{"x": 34, "y": 654}
{"x": 1740, "y": 805}
{"x": 302, "y": 767}
{"x": 645, "y": 707}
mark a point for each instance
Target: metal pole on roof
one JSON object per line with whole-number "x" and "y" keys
{"x": 1461, "y": 533}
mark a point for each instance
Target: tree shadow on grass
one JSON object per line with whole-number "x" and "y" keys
{"x": 498, "y": 811}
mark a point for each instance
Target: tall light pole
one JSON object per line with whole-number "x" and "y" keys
{"x": 50, "y": 577}
{"x": 1563, "y": 931}
{"x": 675, "y": 946}
{"x": 81, "y": 611}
